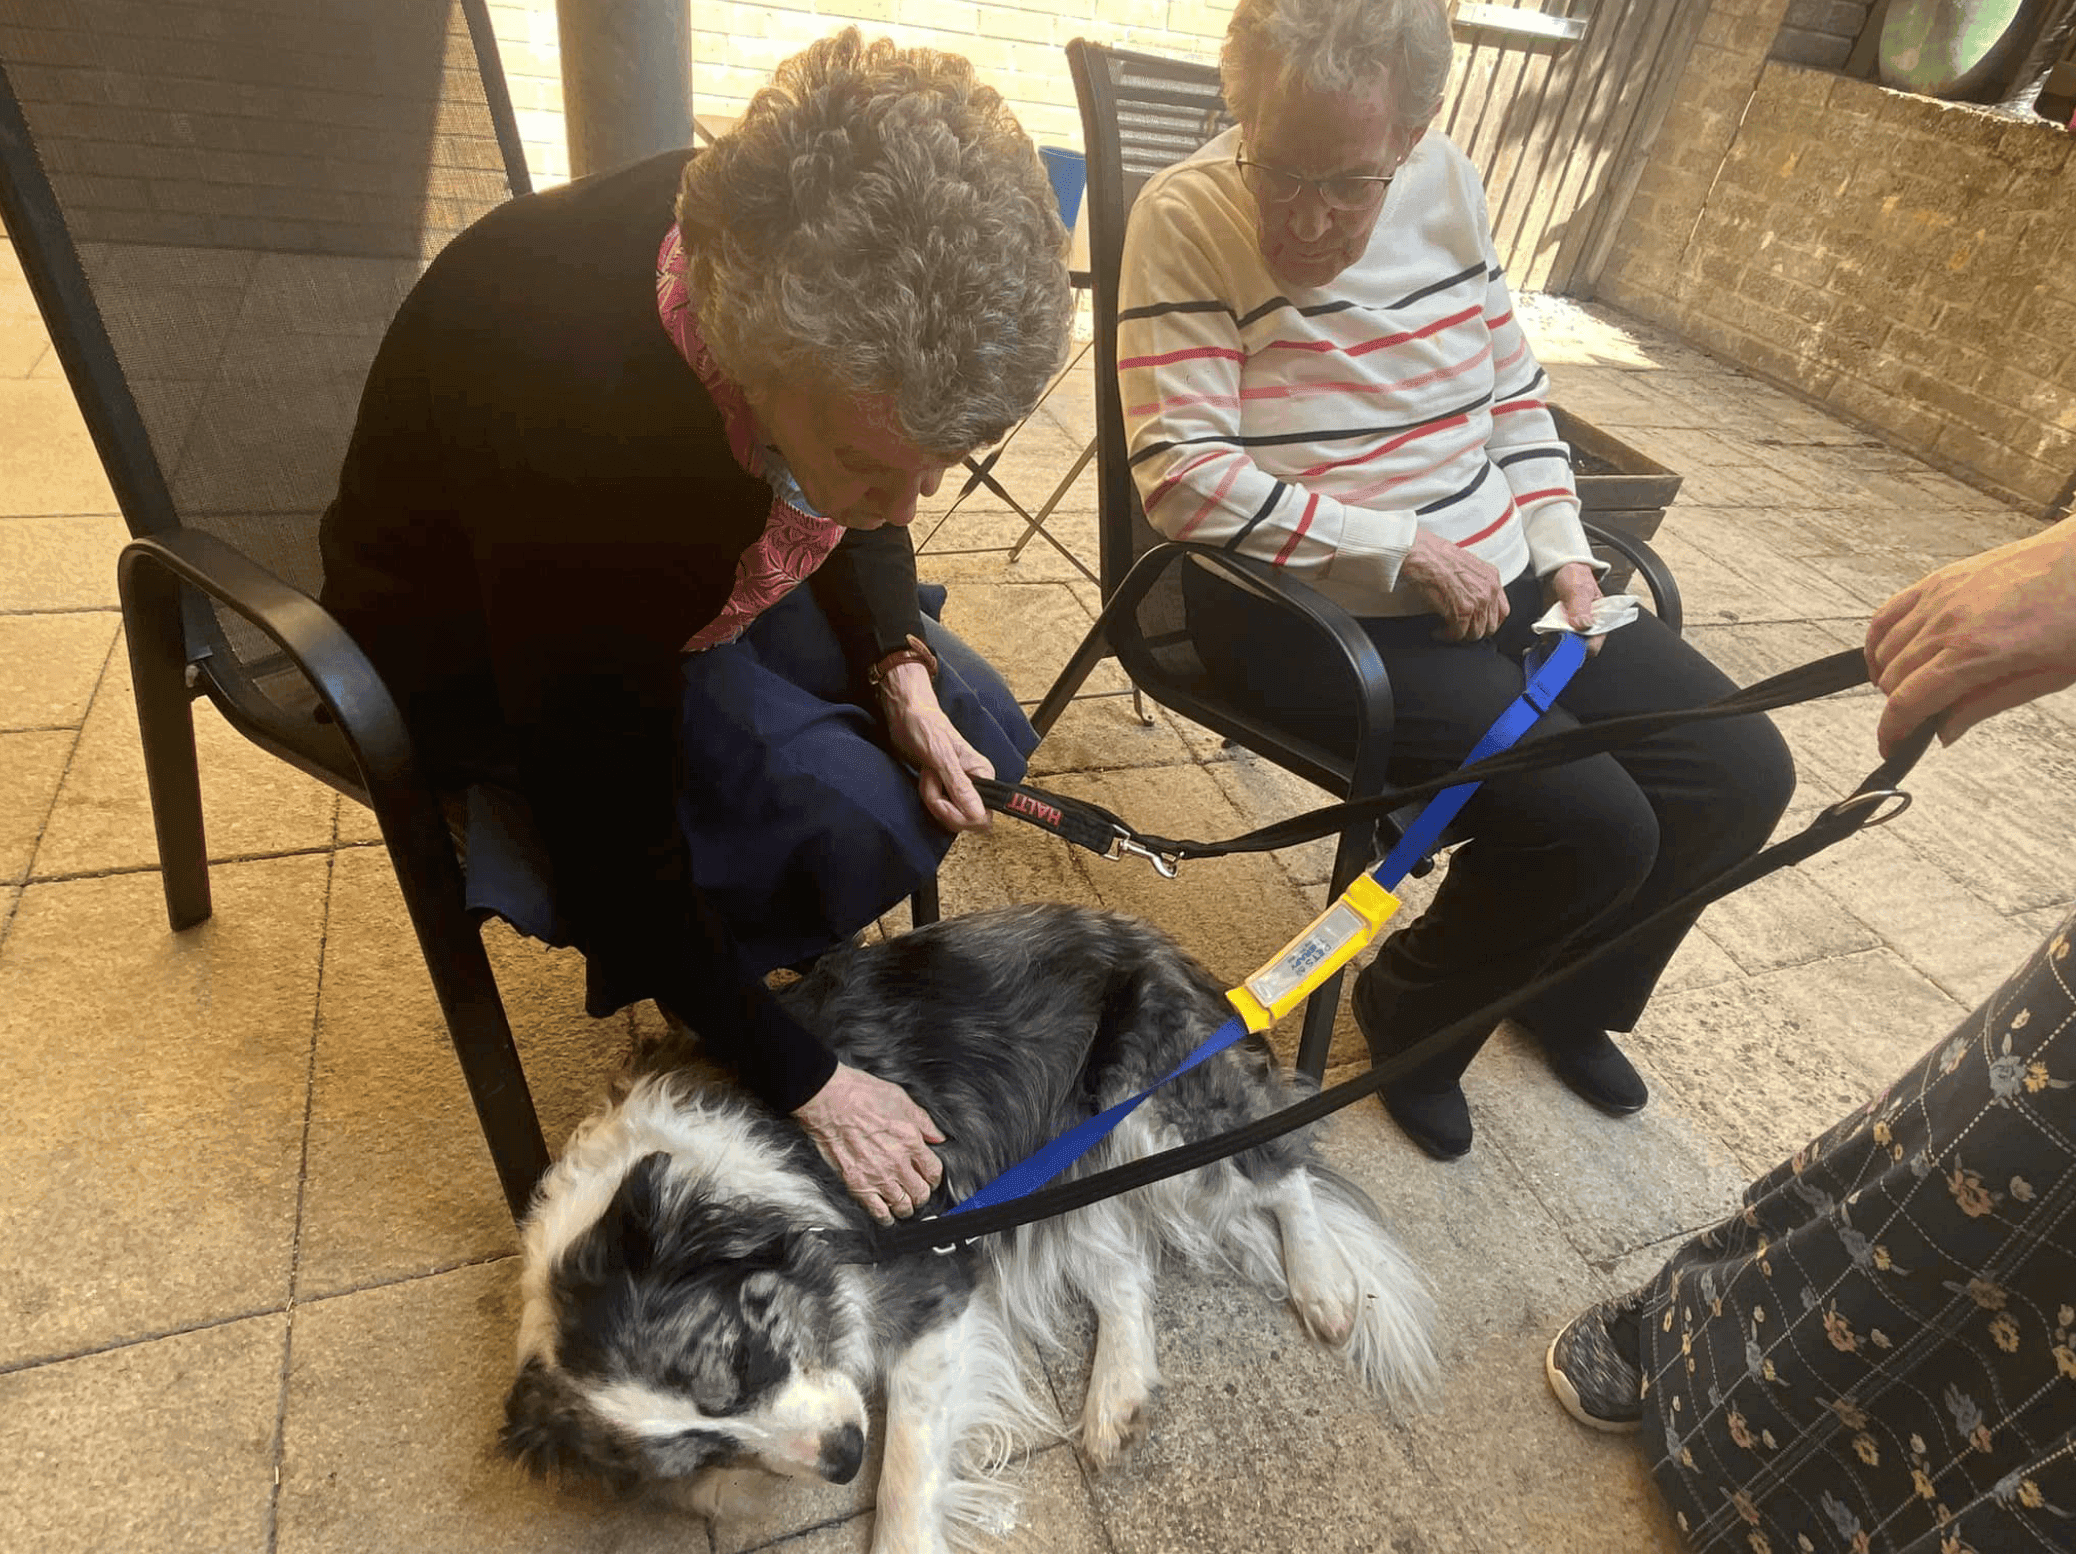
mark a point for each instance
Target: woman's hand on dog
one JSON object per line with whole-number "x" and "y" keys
{"x": 878, "y": 1140}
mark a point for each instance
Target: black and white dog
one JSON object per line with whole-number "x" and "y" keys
{"x": 688, "y": 1309}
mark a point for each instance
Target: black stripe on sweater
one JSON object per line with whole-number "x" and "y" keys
{"x": 1428, "y": 291}
{"x": 1540, "y": 381}
{"x": 1553, "y": 451}
{"x": 1454, "y": 497}
{"x": 1262, "y": 512}
{"x": 1162, "y": 309}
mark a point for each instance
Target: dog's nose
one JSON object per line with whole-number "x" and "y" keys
{"x": 843, "y": 1453}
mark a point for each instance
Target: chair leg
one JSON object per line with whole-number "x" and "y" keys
{"x": 922, "y": 906}
{"x": 469, "y": 999}
{"x": 1095, "y": 647}
{"x": 166, "y": 727}
{"x": 1350, "y": 859}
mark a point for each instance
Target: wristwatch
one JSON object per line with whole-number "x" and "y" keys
{"x": 914, "y": 651}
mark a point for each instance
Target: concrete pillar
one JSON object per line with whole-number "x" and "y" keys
{"x": 626, "y": 79}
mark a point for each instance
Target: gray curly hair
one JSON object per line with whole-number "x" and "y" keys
{"x": 1339, "y": 46}
{"x": 880, "y": 217}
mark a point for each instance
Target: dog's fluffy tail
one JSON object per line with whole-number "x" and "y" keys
{"x": 1000, "y": 1416}
{"x": 1392, "y": 1345}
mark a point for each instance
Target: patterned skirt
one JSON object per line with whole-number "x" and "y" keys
{"x": 1878, "y": 1354}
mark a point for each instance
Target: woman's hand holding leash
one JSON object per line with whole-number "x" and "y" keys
{"x": 878, "y": 1140}
{"x": 925, "y": 737}
{"x": 1977, "y": 637}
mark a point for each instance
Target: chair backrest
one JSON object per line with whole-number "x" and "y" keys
{"x": 219, "y": 207}
{"x": 1139, "y": 114}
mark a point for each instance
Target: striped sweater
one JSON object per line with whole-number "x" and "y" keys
{"x": 1321, "y": 429}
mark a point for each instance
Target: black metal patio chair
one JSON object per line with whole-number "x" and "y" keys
{"x": 1140, "y": 113}
{"x": 219, "y": 207}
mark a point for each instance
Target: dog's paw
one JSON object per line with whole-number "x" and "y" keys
{"x": 1326, "y": 1297}
{"x": 1111, "y": 1427}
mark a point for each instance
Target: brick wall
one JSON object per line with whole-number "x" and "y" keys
{"x": 1907, "y": 263}
{"x": 1019, "y": 45}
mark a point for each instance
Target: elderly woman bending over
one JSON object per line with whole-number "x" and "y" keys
{"x": 610, "y": 432}
{"x": 1321, "y": 368}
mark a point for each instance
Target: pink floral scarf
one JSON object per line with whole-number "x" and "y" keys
{"x": 794, "y": 542}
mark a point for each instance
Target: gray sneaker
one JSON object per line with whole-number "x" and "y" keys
{"x": 1595, "y": 1365}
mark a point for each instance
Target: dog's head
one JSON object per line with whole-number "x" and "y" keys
{"x": 683, "y": 1330}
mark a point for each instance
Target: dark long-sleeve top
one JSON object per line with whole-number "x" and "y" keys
{"x": 537, "y": 511}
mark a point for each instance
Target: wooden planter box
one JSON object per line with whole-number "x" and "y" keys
{"x": 1619, "y": 488}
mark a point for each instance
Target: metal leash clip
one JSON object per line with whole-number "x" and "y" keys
{"x": 1121, "y": 843}
{"x": 958, "y": 1245}
{"x": 1846, "y": 808}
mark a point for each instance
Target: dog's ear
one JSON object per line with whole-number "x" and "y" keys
{"x": 624, "y": 1238}
{"x": 547, "y": 1429}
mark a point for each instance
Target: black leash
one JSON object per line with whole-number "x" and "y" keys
{"x": 1099, "y": 830}
{"x": 1876, "y": 801}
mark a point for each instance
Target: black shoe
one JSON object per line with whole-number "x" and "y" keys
{"x": 1438, "y": 1121}
{"x": 1595, "y": 1365}
{"x": 1430, "y": 1112}
{"x": 1594, "y": 1067}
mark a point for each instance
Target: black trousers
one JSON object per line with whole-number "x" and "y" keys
{"x": 1557, "y": 861}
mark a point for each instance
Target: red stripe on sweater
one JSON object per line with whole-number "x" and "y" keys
{"x": 1211, "y": 506}
{"x": 1518, "y": 404}
{"x": 1489, "y": 530}
{"x": 1382, "y": 342}
{"x": 1537, "y": 496}
{"x": 1175, "y": 479}
{"x": 1295, "y": 391}
{"x": 1367, "y": 493}
{"x": 1502, "y": 321}
{"x": 1194, "y": 353}
{"x": 1377, "y": 453}
{"x": 1304, "y": 523}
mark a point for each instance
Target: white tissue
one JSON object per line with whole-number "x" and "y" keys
{"x": 1609, "y": 612}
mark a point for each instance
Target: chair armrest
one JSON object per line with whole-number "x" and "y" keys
{"x": 1650, "y": 566}
{"x": 345, "y": 680}
{"x": 1375, "y": 715}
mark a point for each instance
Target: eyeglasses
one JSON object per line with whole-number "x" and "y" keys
{"x": 1343, "y": 191}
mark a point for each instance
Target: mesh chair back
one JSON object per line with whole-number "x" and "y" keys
{"x": 1139, "y": 113}
{"x": 220, "y": 206}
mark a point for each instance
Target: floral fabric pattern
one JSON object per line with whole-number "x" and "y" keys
{"x": 794, "y": 541}
{"x": 1878, "y": 1354}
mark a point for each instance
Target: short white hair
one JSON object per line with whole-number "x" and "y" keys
{"x": 1400, "y": 47}
{"x": 879, "y": 218}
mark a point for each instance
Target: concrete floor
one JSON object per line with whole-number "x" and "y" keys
{"x": 256, "y": 1282}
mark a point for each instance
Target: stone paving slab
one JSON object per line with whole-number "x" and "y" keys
{"x": 57, "y": 563}
{"x": 1770, "y": 1061}
{"x": 252, "y": 803}
{"x": 398, "y": 1181}
{"x": 51, "y": 467}
{"x": 32, "y": 764}
{"x": 156, "y": 1091}
{"x": 156, "y": 1448}
{"x": 50, "y": 665}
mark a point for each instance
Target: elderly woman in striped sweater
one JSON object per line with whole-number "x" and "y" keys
{"x": 1322, "y": 368}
